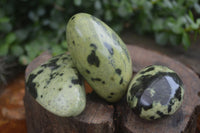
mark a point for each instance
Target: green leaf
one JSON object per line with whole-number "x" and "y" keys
{"x": 17, "y": 50}
{"x": 185, "y": 40}
{"x": 191, "y": 15}
{"x": 197, "y": 7}
{"x": 175, "y": 39}
{"x": 161, "y": 38}
{"x": 10, "y": 38}
{"x": 4, "y": 20}
{"x": 5, "y": 27}
{"x": 24, "y": 60}
{"x": 22, "y": 34}
{"x": 64, "y": 44}
{"x": 4, "y": 49}
{"x": 108, "y": 15}
{"x": 158, "y": 24}
{"x": 97, "y": 5}
{"x": 56, "y": 49}
{"x": 77, "y": 2}
{"x": 33, "y": 16}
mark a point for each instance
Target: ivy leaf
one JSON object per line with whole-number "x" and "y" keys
{"x": 97, "y": 5}
{"x": 17, "y": 50}
{"x": 185, "y": 40}
{"x": 175, "y": 39}
{"x": 197, "y": 7}
{"x": 77, "y": 2}
{"x": 158, "y": 24}
{"x": 10, "y": 38}
{"x": 162, "y": 38}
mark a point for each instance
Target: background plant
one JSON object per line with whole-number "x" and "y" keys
{"x": 29, "y": 27}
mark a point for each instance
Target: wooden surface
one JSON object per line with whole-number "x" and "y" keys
{"x": 101, "y": 117}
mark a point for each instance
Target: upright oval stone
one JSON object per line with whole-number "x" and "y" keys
{"x": 154, "y": 92}
{"x": 57, "y": 86}
{"x": 100, "y": 56}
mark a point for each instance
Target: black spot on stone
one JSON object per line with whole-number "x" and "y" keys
{"x": 73, "y": 18}
{"x": 121, "y": 81}
{"x": 112, "y": 93}
{"x": 109, "y": 48}
{"x": 147, "y": 107}
{"x": 178, "y": 94}
{"x": 147, "y": 70}
{"x": 118, "y": 71}
{"x": 160, "y": 113}
{"x": 52, "y": 76}
{"x": 51, "y": 64}
{"x": 169, "y": 108}
{"x": 76, "y": 81}
{"x": 61, "y": 74}
{"x": 65, "y": 58}
{"x": 103, "y": 82}
{"x": 70, "y": 86}
{"x": 60, "y": 89}
{"x": 40, "y": 72}
{"x": 95, "y": 79}
{"x": 93, "y": 46}
{"x": 73, "y": 42}
{"x": 87, "y": 71}
{"x": 109, "y": 97}
{"x": 152, "y": 117}
{"x": 41, "y": 96}
{"x": 31, "y": 86}
{"x": 93, "y": 59}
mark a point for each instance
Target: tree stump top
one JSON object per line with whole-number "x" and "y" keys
{"x": 102, "y": 117}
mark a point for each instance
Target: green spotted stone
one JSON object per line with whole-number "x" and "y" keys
{"x": 154, "y": 92}
{"x": 57, "y": 86}
{"x": 100, "y": 56}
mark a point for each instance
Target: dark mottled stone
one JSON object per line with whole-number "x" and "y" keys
{"x": 70, "y": 86}
{"x": 103, "y": 82}
{"x": 41, "y": 96}
{"x": 161, "y": 87}
{"x": 109, "y": 48}
{"x": 109, "y": 96}
{"x": 118, "y": 71}
{"x": 93, "y": 59}
{"x": 60, "y": 89}
{"x": 31, "y": 86}
{"x": 73, "y": 42}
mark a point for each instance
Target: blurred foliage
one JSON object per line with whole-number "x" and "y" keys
{"x": 29, "y": 27}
